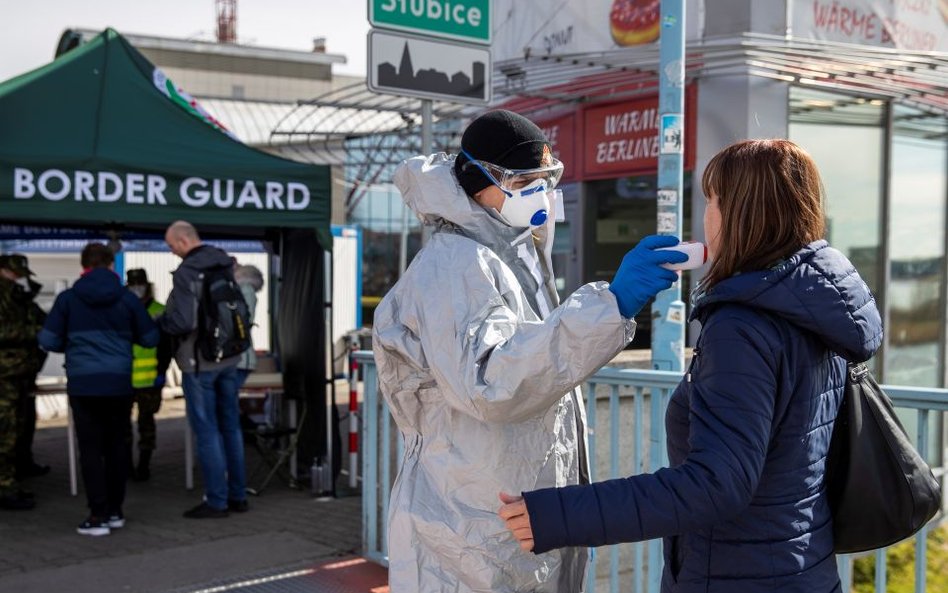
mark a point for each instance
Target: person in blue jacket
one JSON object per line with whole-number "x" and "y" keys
{"x": 743, "y": 505}
{"x": 95, "y": 323}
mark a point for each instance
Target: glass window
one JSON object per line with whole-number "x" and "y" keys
{"x": 619, "y": 212}
{"x": 378, "y": 212}
{"x": 844, "y": 135}
{"x": 915, "y": 352}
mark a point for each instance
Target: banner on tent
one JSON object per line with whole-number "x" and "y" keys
{"x": 132, "y": 188}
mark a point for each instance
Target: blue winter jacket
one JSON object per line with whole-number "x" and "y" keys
{"x": 95, "y": 323}
{"x": 742, "y": 506}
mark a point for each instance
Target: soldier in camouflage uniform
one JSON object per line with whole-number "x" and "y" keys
{"x": 149, "y": 366}
{"x": 20, "y": 361}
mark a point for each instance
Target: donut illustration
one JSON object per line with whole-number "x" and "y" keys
{"x": 634, "y": 22}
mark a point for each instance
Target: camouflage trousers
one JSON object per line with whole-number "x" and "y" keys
{"x": 12, "y": 392}
{"x": 148, "y": 400}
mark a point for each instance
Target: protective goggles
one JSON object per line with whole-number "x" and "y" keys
{"x": 511, "y": 180}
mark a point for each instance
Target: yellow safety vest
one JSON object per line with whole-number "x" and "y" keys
{"x": 145, "y": 360}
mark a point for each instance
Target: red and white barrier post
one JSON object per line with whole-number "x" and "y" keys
{"x": 353, "y": 420}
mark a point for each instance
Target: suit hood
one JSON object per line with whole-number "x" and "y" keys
{"x": 431, "y": 190}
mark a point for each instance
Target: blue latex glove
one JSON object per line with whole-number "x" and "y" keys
{"x": 159, "y": 381}
{"x": 640, "y": 276}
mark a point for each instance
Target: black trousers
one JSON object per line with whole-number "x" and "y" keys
{"x": 25, "y": 424}
{"x": 102, "y": 425}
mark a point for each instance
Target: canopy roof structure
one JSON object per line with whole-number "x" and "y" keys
{"x": 349, "y": 122}
{"x": 100, "y": 137}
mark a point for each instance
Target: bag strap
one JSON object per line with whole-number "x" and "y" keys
{"x": 857, "y": 370}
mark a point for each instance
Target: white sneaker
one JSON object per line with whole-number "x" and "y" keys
{"x": 94, "y": 527}
{"x": 116, "y": 521}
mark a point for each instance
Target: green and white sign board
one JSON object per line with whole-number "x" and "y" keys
{"x": 463, "y": 20}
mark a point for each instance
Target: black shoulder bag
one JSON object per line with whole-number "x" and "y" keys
{"x": 880, "y": 489}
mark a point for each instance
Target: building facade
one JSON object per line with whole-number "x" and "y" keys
{"x": 862, "y": 86}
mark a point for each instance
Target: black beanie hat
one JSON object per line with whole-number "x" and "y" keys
{"x": 500, "y": 137}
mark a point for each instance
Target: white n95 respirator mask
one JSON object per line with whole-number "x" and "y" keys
{"x": 527, "y": 192}
{"x": 528, "y": 206}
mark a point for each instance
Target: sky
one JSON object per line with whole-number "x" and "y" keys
{"x": 31, "y": 28}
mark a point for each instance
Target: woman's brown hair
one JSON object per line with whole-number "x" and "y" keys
{"x": 771, "y": 201}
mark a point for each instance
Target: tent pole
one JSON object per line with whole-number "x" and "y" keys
{"x": 322, "y": 479}
{"x": 330, "y": 375}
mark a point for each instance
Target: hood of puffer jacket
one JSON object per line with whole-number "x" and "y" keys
{"x": 817, "y": 289}
{"x": 99, "y": 287}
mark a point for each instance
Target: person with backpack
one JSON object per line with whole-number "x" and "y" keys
{"x": 209, "y": 320}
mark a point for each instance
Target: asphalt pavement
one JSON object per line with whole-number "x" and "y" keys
{"x": 289, "y": 541}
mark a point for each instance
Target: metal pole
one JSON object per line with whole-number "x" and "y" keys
{"x": 426, "y": 149}
{"x": 668, "y": 311}
{"x": 426, "y": 126}
{"x": 321, "y": 475}
{"x": 403, "y": 241}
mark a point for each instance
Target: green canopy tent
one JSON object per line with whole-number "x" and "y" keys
{"x": 100, "y": 138}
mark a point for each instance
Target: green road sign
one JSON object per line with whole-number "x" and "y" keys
{"x": 465, "y": 20}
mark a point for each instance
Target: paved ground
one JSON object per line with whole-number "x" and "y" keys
{"x": 289, "y": 541}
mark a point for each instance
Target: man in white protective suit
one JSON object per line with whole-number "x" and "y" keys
{"x": 480, "y": 363}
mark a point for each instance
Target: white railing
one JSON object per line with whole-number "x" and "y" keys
{"x": 616, "y": 400}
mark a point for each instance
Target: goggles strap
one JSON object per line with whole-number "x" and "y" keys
{"x": 477, "y": 164}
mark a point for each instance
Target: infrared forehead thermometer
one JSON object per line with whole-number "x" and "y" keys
{"x": 696, "y": 251}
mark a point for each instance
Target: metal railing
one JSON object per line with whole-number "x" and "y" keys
{"x": 616, "y": 400}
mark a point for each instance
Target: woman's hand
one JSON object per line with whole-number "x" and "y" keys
{"x": 515, "y": 515}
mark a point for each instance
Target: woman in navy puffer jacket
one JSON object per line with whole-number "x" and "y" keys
{"x": 742, "y": 507}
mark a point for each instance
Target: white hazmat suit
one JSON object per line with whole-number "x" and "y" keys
{"x": 480, "y": 366}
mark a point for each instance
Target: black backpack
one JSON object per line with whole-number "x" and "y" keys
{"x": 223, "y": 316}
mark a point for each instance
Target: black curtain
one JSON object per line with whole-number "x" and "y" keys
{"x": 302, "y": 331}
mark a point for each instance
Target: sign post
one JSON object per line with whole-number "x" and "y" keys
{"x": 431, "y": 49}
{"x": 423, "y": 49}
{"x": 668, "y": 310}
